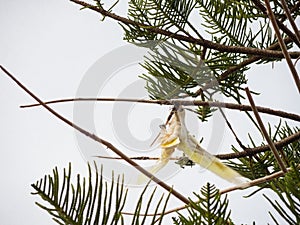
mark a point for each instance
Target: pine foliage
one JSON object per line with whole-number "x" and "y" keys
{"x": 174, "y": 71}
{"x": 233, "y": 23}
{"x": 209, "y": 209}
{"x": 288, "y": 190}
{"x": 264, "y": 163}
{"x": 86, "y": 202}
{"x": 91, "y": 200}
{"x": 165, "y": 14}
{"x": 183, "y": 68}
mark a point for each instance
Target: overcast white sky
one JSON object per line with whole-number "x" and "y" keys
{"x": 49, "y": 46}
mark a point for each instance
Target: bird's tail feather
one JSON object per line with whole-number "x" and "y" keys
{"x": 210, "y": 162}
{"x": 225, "y": 172}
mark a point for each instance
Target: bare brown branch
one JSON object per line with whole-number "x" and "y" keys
{"x": 252, "y": 151}
{"x": 256, "y": 181}
{"x": 264, "y": 132}
{"x": 99, "y": 140}
{"x": 256, "y": 150}
{"x": 245, "y": 153}
{"x": 232, "y": 106}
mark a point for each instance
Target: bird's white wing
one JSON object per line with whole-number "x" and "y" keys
{"x": 169, "y": 140}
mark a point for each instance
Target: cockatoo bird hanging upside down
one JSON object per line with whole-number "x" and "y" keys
{"x": 175, "y": 135}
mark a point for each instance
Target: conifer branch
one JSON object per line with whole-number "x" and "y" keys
{"x": 291, "y": 20}
{"x": 256, "y": 150}
{"x": 285, "y": 29}
{"x": 189, "y": 39}
{"x": 246, "y": 62}
{"x": 235, "y": 46}
{"x": 282, "y": 45}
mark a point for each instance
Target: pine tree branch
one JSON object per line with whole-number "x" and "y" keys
{"x": 282, "y": 45}
{"x": 232, "y": 106}
{"x": 98, "y": 139}
{"x": 133, "y": 157}
{"x": 285, "y": 29}
{"x": 253, "y": 151}
{"x": 202, "y": 42}
{"x": 291, "y": 20}
{"x": 237, "y": 67}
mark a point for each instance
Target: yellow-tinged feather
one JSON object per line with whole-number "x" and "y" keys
{"x": 210, "y": 162}
{"x": 164, "y": 159}
{"x": 176, "y": 135}
{"x": 171, "y": 143}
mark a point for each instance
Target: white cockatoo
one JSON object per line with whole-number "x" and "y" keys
{"x": 174, "y": 135}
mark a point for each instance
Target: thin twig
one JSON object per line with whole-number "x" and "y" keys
{"x": 233, "y": 106}
{"x": 256, "y": 181}
{"x": 285, "y": 29}
{"x": 290, "y": 18}
{"x": 296, "y": 61}
{"x": 295, "y": 7}
{"x": 205, "y": 43}
{"x": 264, "y": 131}
{"x": 256, "y": 150}
{"x": 250, "y": 60}
{"x": 99, "y": 140}
{"x": 225, "y": 191}
{"x": 133, "y": 158}
{"x": 245, "y": 153}
{"x": 282, "y": 45}
{"x": 237, "y": 67}
{"x": 252, "y": 151}
{"x": 235, "y": 135}
{"x": 232, "y": 131}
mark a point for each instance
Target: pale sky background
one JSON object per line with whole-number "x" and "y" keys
{"x": 49, "y": 46}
